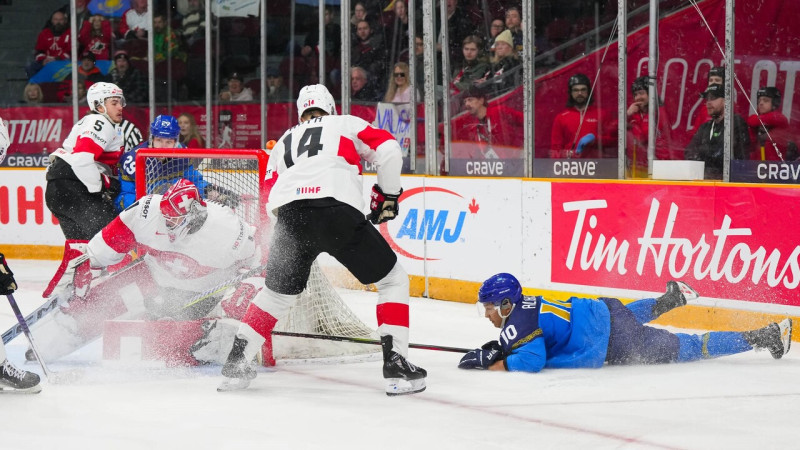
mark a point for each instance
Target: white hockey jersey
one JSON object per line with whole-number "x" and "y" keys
{"x": 195, "y": 262}
{"x": 322, "y": 158}
{"x": 92, "y": 148}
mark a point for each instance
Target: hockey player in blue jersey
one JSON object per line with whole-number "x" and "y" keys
{"x": 164, "y": 133}
{"x": 537, "y": 333}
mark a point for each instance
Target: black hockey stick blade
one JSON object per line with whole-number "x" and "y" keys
{"x": 440, "y": 348}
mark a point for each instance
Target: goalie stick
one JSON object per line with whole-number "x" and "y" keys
{"x": 440, "y": 348}
{"x": 222, "y": 286}
{"x": 53, "y": 377}
{"x": 48, "y": 306}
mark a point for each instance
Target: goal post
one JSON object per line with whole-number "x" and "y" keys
{"x": 237, "y": 176}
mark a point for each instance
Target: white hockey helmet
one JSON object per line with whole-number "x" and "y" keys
{"x": 315, "y": 96}
{"x": 99, "y": 92}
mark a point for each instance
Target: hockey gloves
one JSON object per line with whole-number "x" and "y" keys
{"x": 384, "y": 206}
{"x": 482, "y": 358}
{"x": 7, "y": 283}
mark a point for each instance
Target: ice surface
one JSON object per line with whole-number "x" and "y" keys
{"x": 744, "y": 401}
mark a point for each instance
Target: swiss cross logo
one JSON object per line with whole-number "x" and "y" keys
{"x": 185, "y": 202}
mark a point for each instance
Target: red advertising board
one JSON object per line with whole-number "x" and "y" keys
{"x": 727, "y": 241}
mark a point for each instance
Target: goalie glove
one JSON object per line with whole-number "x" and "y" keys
{"x": 384, "y": 207}
{"x": 221, "y": 195}
{"x": 482, "y": 358}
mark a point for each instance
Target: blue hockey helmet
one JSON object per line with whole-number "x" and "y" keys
{"x": 499, "y": 289}
{"x": 165, "y": 126}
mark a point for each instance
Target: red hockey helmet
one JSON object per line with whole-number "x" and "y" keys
{"x": 183, "y": 208}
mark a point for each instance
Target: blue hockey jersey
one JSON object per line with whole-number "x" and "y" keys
{"x": 165, "y": 173}
{"x": 557, "y": 334}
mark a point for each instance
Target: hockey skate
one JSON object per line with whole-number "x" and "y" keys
{"x": 678, "y": 294}
{"x": 14, "y": 380}
{"x": 775, "y": 337}
{"x": 237, "y": 371}
{"x": 401, "y": 376}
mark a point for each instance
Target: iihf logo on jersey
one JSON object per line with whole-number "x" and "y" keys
{"x": 308, "y": 190}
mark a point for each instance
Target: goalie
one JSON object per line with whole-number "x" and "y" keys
{"x": 189, "y": 246}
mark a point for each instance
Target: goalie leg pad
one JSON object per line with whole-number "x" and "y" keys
{"x": 73, "y": 248}
{"x": 236, "y": 304}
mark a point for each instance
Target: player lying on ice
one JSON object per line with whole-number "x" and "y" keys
{"x": 317, "y": 196}
{"x": 190, "y": 246}
{"x": 583, "y": 333}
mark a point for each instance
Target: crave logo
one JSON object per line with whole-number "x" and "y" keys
{"x": 440, "y": 218}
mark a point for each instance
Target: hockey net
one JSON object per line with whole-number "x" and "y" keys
{"x": 234, "y": 178}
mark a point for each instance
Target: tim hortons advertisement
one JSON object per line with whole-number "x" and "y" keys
{"x": 729, "y": 242}
{"x": 24, "y": 218}
{"x": 462, "y": 229}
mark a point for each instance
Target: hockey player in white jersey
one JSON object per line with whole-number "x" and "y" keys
{"x": 81, "y": 185}
{"x": 317, "y": 197}
{"x": 189, "y": 246}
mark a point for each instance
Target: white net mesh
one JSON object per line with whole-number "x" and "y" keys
{"x": 234, "y": 179}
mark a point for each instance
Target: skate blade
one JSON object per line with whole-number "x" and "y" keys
{"x": 233, "y": 384}
{"x": 31, "y": 390}
{"x": 399, "y": 386}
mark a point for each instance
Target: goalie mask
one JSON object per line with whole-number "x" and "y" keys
{"x": 501, "y": 291}
{"x": 183, "y": 208}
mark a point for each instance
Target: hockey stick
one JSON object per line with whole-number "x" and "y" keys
{"x": 222, "y": 287}
{"x": 27, "y": 332}
{"x": 52, "y": 377}
{"x": 440, "y": 348}
{"x": 30, "y": 319}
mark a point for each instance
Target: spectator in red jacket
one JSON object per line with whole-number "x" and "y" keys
{"x": 769, "y": 129}
{"x": 53, "y": 44}
{"x": 96, "y": 38}
{"x": 135, "y": 23}
{"x": 638, "y": 125}
{"x": 488, "y": 125}
{"x": 582, "y": 130}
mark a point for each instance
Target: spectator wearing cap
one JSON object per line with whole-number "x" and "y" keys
{"x": 236, "y": 92}
{"x": 769, "y": 129}
{"x": 88, "y": 72}
{"x": 504, "y": 61}
{"x": 707, "y": 144}
{"x": 96, "y": 37}
{"x": 582, "y": 130}
{"x": 715, "y": 76}
{"x": 638, "y": 128}
{"x": 488, "y": 125}
{"x": 276, "y": 90}
{"x": 128, "y": 78}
